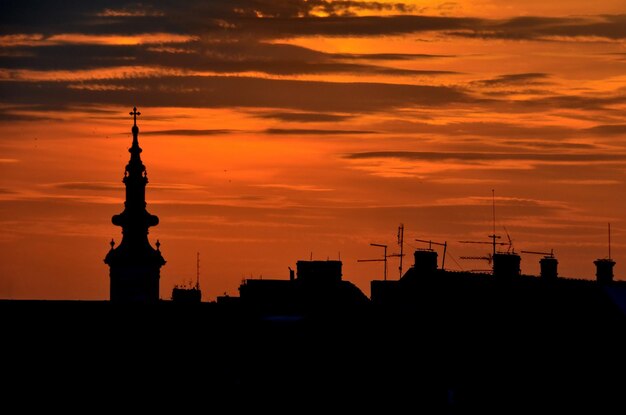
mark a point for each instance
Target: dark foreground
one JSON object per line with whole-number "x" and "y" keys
{"x": 97, "y": 355}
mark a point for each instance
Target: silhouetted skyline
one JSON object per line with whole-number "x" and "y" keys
{"x": 278, "y": 131}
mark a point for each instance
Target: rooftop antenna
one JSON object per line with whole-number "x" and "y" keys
{"x": 609, "y": 240}
{"x": 430, "y": 246}
{"x": 546, "y": 254}
{"x": 384, "y": 258}
{"x": 510, "y": 244}
{"x": 197, "y": 270}
{"x": 493, "y": 236}
{"x": 401, "y": 243}
{"x": 493, "y": 208}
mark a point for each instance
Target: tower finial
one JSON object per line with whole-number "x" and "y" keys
{"x": 134, "y": 113}
{"x": 135, "y": 130}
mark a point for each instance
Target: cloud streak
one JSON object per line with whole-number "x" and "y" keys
{"x": 188, "y": 132}
{"x": 221, "y": 92}
{"x": 304, "y": 116}
{"x": 486, "y": 157}
{"x": 273, "y": 19}
{"x": 305, "y": 131}
{"x": 219, "y": 57}
{"x": 515, "y": 79}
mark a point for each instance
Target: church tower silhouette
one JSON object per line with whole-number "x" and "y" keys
{"x": 135, "y": 266}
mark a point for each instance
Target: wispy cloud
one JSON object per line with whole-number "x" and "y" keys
{"x": 190, "y": 55}
{"x": 589, "y": 182}
{"x": 223, "y": 92}
{"x": 515, "y": 79}
{"x": 272, "y": 19}
{"x": 85, "y": 186}
{"x": 484, "y": 157}
{"x": 304, "y": 116}
{"x": 116, "y": 186}
{"x": 310, "y": 131}
{"x": 608, "y": 27}
{"x": 388, "y": 56}
{"x": 501, "y": 201}
{"x": 500, "y": 129}
{"x": 297, "y": 187}
{"x": 608, "y": 129}
{"x": 191, "y": 133}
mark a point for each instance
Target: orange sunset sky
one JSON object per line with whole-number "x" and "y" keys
{"x": 275, "y": 131}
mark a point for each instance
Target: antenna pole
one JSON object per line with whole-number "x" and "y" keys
{"x": 609, "y": 240}
{"x": 401, "y": 243}
{"x": 443, "y": 261}
{"x": 493, "y": 208}
{"x": 197, "y": 270}
{"x": 385, "y": 263}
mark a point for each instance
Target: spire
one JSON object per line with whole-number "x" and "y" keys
{"x": 135, "y": 167}
{"x": 134, "y": 262}
{"x": 135, "y": 215}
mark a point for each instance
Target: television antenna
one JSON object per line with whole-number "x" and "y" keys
{"x": 197, "y": 270}
{"x": 609, "y": 240}
{"x": 401, "y": 243}
{"x": 383, "y": 259}
{"x": 494, "y": 238}
{"x": 545, "y": 254}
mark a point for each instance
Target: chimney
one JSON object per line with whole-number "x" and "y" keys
{"x": 291, "y": 274}
{"x": 316, "y": 271}
{"x": 506, "y": 265}
{"x": 604, "y": 270}
{"x": 425, "y": 261}
{"x": 548, "y": 265}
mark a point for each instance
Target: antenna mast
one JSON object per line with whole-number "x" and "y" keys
{"x": 493, "y": 208}
{"x": 609, "y": 240}
{"x": 197, "y": 270}
{"x": 401, "y": 243}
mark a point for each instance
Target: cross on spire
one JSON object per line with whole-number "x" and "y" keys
{"x": 134, "y": 113}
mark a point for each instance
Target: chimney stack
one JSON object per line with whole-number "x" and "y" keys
{"x": 604, "y": 270}
{"x": 548, "y": 265}
{"x": 425, "y": 261}
{"x": 506, "y": 265}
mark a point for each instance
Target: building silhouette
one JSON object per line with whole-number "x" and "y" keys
{"x": 135, "y": 266}
{"x": 315, "y": 286}
{"x": 505, "y": 290}
{"x": 191, "y": 294}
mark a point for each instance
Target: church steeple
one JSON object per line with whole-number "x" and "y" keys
{"x": 135, "y": 265}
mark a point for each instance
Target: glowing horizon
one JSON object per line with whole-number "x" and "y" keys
{"x": 276, "y": 132}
